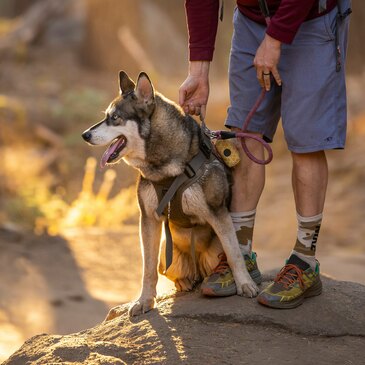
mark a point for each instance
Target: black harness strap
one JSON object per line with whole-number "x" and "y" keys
{"x": 193, "y": 170}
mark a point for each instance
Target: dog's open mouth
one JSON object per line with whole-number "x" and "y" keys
{"x": 113, "y": 151}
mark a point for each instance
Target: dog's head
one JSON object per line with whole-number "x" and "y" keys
{"x": 126, "y": 122}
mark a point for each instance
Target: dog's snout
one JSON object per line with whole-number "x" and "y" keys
{"x": 87, "y": 136}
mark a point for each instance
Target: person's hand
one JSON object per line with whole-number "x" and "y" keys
{"x": 194, "y": 91}
{"x": 266, "y": 61}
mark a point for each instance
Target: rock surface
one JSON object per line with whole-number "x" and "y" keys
{"x": 188, "y": 328}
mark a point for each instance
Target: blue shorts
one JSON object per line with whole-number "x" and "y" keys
{"x": 312, "y": 98}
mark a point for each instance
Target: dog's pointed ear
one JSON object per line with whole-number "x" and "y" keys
{"x": 144, "y": 89}
{"x": 126, "y": 85}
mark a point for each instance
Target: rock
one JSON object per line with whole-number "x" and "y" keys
{"x": 188, "y": 328}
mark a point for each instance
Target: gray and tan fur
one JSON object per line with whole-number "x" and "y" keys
{"x": 161, "y": 140}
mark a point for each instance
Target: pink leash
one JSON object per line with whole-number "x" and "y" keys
{"x": 243, "y": 135}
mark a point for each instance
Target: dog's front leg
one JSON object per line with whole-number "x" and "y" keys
{"x": 150, "y": 235}
{"x": 223, "y": 227}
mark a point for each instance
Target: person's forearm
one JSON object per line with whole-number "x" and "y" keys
{"x": 199, "y": 68}
{"x": 272, "y": 42}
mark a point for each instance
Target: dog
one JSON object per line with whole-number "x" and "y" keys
{"x": 154, "y": 135}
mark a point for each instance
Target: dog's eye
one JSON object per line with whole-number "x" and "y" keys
{"x": 115, "y": 117}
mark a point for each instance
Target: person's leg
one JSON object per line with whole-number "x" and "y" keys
{"x": 248, "y": 177}
{"x": 300, "y": 276}
{"x": 248, "y": 184}
{"x": 309, "y": 179}
{"x": 314, "y": 120}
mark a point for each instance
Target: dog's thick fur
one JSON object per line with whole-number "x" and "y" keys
{"x": 161, "y": 140}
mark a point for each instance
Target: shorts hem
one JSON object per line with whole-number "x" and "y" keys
{"x": 308, "y": 149}
{"x": 252, "y": 128}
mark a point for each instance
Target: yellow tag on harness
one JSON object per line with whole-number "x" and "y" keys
{"x": 228, "y": 151}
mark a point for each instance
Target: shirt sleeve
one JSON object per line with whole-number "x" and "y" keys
{"x": 288, "y": 18}
{"x": 202, "y": 20}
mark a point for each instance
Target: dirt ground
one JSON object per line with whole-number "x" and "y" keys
{"x": 67, "y": 283}
{"x": 60, "y": 285}
{"x": 64, "y": 284}
{"x": 190, "y": 329}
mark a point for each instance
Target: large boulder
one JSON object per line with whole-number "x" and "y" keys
{"x": 188, "y": 328}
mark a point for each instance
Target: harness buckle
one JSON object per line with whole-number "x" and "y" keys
{"x": 189, "y": 171}
{"x": 206, "y": 147}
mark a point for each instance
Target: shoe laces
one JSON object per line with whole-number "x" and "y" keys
{"x": 222, "y": 265}
{"x": 289, "y": 274}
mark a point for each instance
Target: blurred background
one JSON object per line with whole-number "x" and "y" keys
{"x": 69, "y": 246}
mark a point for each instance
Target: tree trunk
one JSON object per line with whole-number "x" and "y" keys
{"x": 102, "y": 48}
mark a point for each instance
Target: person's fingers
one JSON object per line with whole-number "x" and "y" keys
{"x": 203, "y": 109}
{"x": 276, "y": 75}
{"x": 186, "y": 109}
{"x": 191, "y": 109}
{"x": 182, "y": 96}
{"x": 259, "y": 76}
{"x": 197, "y": 110}
{"x": 261, "y": 81}
{"x": 267, "y": 79}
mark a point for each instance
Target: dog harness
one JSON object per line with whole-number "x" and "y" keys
{"x": 169, "y": 194}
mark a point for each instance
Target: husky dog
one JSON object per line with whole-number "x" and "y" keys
{"x": 154, "y": 135}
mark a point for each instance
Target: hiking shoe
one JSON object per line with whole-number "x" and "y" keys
{"x": 221, "y": 282}
{"x": 295, "y": 282}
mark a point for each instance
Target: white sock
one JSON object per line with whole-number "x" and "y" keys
{"x": 244, "y": 223}
{"x": 306, "y": 243}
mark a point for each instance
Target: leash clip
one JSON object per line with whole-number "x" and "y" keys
{"x": 209, "y": 133}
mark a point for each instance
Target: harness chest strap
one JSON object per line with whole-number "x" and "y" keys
{"x": 193, "y": 170}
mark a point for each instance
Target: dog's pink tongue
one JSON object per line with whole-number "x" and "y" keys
{"x": 109, "y": 151}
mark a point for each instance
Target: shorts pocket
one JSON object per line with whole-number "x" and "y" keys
{"x": 329, "y": 20}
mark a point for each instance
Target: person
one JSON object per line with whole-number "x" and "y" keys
{"x": 299, "y": 59}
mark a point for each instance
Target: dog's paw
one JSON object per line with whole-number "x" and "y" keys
{"x": 248, "y": 289}
{"x": 115, "y": 312}
{"x": 142, "y": 305}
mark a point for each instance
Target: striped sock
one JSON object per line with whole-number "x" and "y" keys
{"x": 244, "y": 223}
{"x": 308, "y": 231}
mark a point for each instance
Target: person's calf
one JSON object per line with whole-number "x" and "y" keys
{"x": 248, "y": 178}
{"x": 309, "y": 180}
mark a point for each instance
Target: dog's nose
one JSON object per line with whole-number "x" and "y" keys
{"x": 86, "y": 136}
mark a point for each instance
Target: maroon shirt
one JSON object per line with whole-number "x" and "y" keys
{"x": 286, "y": 18}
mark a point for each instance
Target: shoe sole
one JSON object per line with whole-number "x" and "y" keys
{"x": 231, "y": 289}
{"x": 314, "y": 290}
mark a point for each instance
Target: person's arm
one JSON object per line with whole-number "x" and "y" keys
{"x": 202, "y": 20}
{"x": 288, "y": 18}
{"x": 194, "y": 91}
{"x": 282, "y": 29}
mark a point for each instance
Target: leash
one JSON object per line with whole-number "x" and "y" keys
{"x": 220, "y": 134}
{"x": 242, "y": 136}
